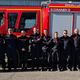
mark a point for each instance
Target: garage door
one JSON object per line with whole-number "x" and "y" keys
{"x": 77, "y": 21}
{"x": 59, "y": 22}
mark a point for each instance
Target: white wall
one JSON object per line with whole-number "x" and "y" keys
{"x": 21, "y": 2}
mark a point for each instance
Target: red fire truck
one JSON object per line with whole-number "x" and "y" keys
{"x": 50, "y": 16}
{"x": 61, "y": 16}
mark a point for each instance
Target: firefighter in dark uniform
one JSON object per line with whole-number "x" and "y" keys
{"x": 76, "y": 49}
{"x": 66, "y": 50}
{"x": 2, "y": 52}
{"x": 55, "y": 51}
{"x": 23, "y": 46}
{"x": 35, "y": 48}
{"x": 45, "y": 51}
{"x": 11, "y": 49}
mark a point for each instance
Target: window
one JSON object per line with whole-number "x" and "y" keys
{"x": 27, "y": 20}
{"x": 12, "y": 19}
{"x": 1, "y": 19}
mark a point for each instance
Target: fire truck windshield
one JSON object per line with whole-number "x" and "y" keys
{"x": 28, "y": 20}
{"x": 12, "y": 19}
{"x": 1, "y": 19}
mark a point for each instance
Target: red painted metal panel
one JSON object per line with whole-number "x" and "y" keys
{"x": 45, "y": 19}
{"x": 73, "y": 24}
{"x": 20, "y": 7}
{"x": 18, "y": 20}
{"x": 56, "y": 4}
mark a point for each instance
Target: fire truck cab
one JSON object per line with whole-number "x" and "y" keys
{"x": 19, "y": 17}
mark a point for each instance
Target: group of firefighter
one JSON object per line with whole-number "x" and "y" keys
{"x": 44, "y": 52}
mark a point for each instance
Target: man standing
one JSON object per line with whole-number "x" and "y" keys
{"x": 35, "y": 48}
{"x": 66, "y": 50}
{"x": 45, "y": 51}
{"x": 2, "y": 52}
{"x": 76, "y": 49}
{"x": 23, "y": 46}
{"x": 11, "y": 49}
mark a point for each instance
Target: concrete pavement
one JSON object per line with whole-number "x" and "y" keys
{"x": 46, "y": 75}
